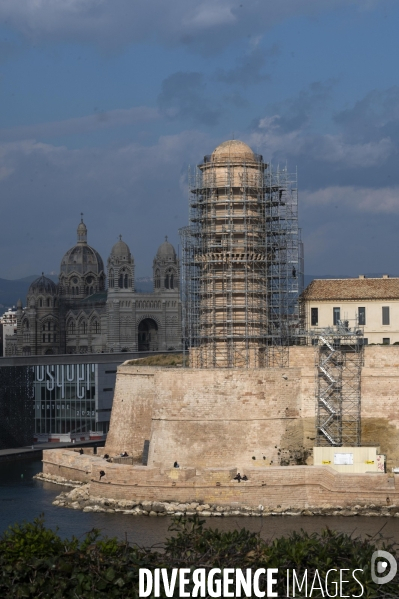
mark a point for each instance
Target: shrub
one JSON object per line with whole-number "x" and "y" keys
{"x": 35, "y": 563}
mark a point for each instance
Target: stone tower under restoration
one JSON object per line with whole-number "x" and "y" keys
{"x": 241, "y": 261}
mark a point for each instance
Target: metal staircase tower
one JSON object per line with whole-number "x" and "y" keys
{"x": 339, "y": 359}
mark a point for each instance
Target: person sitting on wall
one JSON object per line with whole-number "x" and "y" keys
{"x": 245, "y": 477}
{"x": 102, "y": 473}
{"x": 237, "y": 477}
{"x": 105, "y": 456}
{"x": 81, "y": 451}
{"x": 176, "y": 465}
{"x": 125, "y": 454}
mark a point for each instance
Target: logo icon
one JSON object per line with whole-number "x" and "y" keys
{"x": 381, "y": 566}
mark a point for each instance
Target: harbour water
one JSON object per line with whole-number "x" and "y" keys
{"x": 23, "y": 498}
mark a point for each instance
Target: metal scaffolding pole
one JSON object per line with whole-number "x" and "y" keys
{"x": 285, "y": 265}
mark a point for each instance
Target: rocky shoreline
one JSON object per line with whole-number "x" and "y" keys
{"x": 79, "y": 498}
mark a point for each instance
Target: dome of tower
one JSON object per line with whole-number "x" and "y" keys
{"x": 121, "y": 250}
{"x": 166, "y": 251}
{"x": 81, "y": 258}
{"x": 42, "y": 285}
{"x": 232, "y": 148}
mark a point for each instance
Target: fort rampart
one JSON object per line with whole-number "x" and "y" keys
{"x": 216, "y": 422}
{"x": 284, "y": 487}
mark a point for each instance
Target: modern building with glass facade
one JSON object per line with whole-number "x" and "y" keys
{"x": 71, "y": 394}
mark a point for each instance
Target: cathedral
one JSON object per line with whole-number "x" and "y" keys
{"x": 82, "y": 314}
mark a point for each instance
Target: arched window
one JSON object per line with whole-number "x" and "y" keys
{"x": 120, "y": 281}
{"x": 83, "y": 327}
{"x": 40, "y": 302}
{"x": 111, "y": 278}
{"x": 71, "y": 327}
{"x": 125, "y": 282}
{"x": 95, "y": 327}
{"x": 48, "y": 302}
{"x": 91, "y": 291}
{"x": 157, "y": 279}
{"x": 169, "y": 279}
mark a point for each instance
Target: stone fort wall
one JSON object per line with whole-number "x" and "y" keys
{"x": 277, "y": 487}
{"x": 226, "y": 417}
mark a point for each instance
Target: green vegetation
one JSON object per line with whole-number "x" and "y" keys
{"x": 164, "y": 360}
{"x": 36, "y": 563}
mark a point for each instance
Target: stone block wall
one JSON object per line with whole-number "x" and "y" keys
{"x": 274, "y": 487}
{"x": 227, "y": 417}
{"x": 132, "y": 409}
{"x": 380, "y": 401}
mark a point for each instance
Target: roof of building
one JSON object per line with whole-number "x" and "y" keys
{"x": 231, "y": 149}
{"x": 352, "y": 289}
{"x": 121, "y": 249}
{"x": 96, "y": 298}
{"x": 81, "y": 258}
{"x": 42, "y": 285}
{"x": 166, "y": 250}
{"x": 82, "y": 229}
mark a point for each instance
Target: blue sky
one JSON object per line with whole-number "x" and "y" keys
{"x": 104, "y": 104}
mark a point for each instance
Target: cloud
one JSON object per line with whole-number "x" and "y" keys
{"x": 183, "y": 96}
{"x": 79, "y": 125}
{"x": 249, "y": 68}
{"x": 343, "y": 157}
{"x": 296, "y": 112}
{"x": 361, "y": 199}
{"x": 374, "y": 116}
{"x": 334, "y": 149}
{"x": 133, "y": 189}
{"x": 120, "y": 22}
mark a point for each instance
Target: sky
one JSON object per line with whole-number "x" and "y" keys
{"x": 106, "y": 103}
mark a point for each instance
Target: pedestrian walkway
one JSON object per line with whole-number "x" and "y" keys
{"x": 37, "y": 449}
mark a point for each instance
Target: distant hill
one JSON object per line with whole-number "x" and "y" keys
{"x": 144, "y": 284}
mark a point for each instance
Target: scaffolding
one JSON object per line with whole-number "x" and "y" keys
{"x": 242, "y": 262}
{"x": 338, "y": 361}
{"x": 284, "y": 263}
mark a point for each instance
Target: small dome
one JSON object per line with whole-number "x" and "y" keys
{"x": 82, "y": 229}
{"x": 233, "y": 148}
{"x": 42, "y": 285}
{"x": 121, "y": 249}
{"x": 166, "y": 251}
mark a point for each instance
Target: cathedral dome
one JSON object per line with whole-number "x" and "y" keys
{"x": 81, "y": 258}
{"x": 42, "y": 285}
{"x": 232, "y": 149}
{"x": 121, "y": 250}
{"x": 166, "y": 251}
